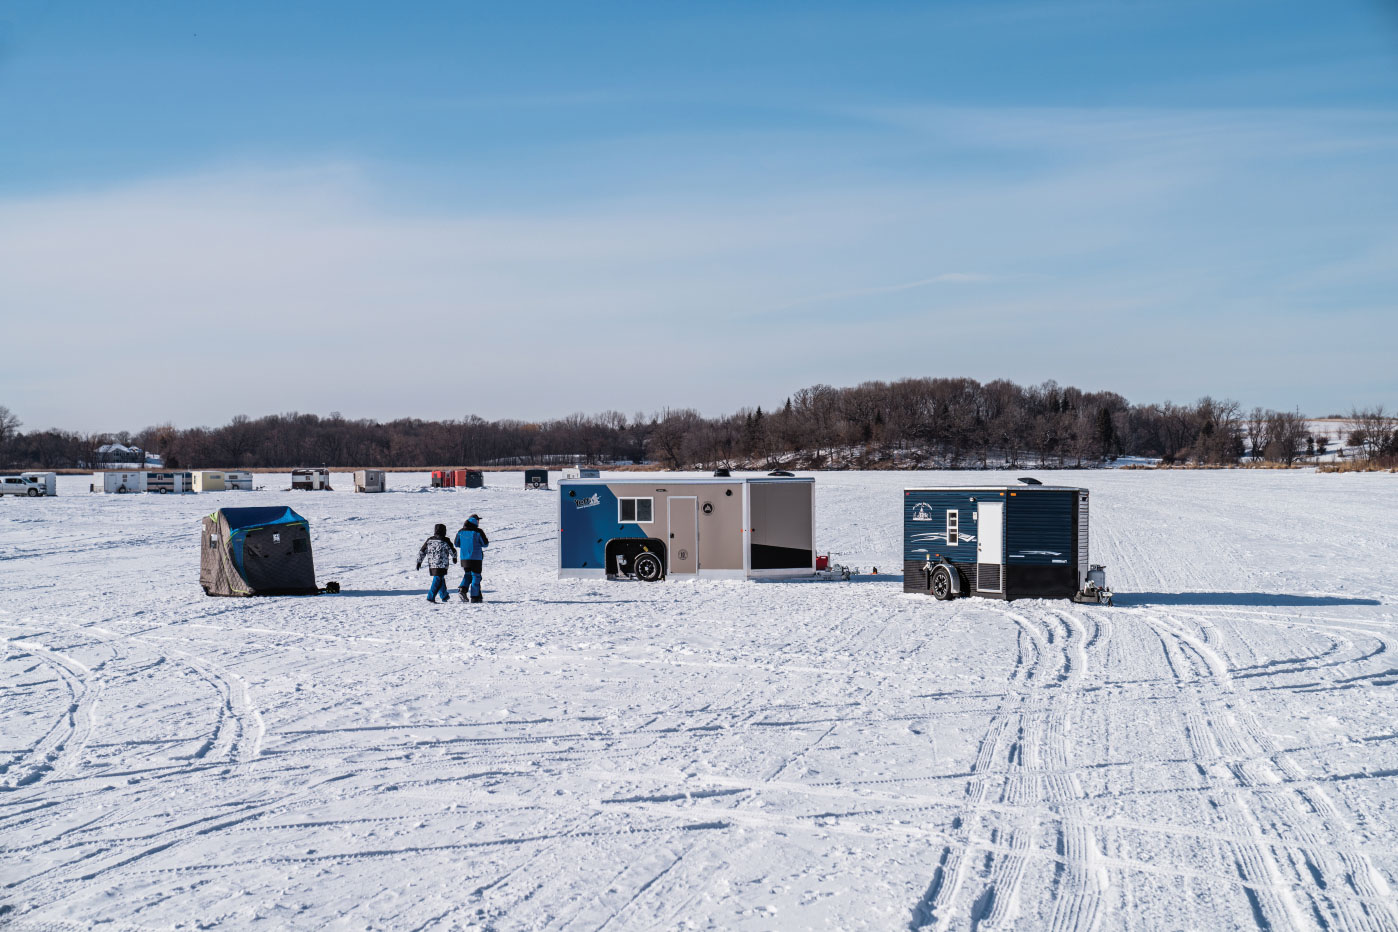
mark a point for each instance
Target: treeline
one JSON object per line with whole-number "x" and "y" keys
{"x": 910, "y": 423}
{"x": 1373, "y": 433}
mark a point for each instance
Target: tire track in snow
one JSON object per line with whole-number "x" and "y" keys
{"x": 1313, "y": 817}
{"x": 939, "y": 903}
{"x": 1080, "y": 891}
{"x": 48, "y": 884}
{"x": 239, "y": 732}
{"x": 1270, "y": 898}
{"x": 997, "y": 903}
{"x": 1045, "y": 780}
{"x": 1231, "y": 737}
{"x": 1386, "y": 644}
{"x": 1327, "y": 851}
{"x": 58, "y": 751}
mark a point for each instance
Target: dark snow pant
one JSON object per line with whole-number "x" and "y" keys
{"x": 472, "y": 577}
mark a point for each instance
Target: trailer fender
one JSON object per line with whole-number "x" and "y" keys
{"x": 929, "y": 568}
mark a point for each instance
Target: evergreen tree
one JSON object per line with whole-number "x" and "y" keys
{"x": 1105, "y": 433}
{"x": 753, "y": 432}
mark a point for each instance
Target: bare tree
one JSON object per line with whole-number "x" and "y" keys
{"x": 1286, "y": 432}
{"x": 1256, "y": 428}
{"x": 1369, "y": 429}
{"x": 669, "y": 434}
{"x": 9, "y": 430}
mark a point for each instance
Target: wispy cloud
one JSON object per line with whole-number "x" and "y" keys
{"x": 943, "y": 278}
{"x": 1138, "y": 234}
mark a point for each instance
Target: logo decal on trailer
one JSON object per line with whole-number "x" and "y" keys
{"x": 931, "y": 537}
{"x": 596, "y": 499}
{"x": 922, "y": 512}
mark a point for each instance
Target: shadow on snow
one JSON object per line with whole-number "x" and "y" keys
{"x": 860, "y": 578}
{"x": 1262, "y": 599}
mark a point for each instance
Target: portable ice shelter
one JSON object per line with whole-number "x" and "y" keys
{"x": 166, "y": 482}
{"x": 49, "y": 480}
{"x": 999, "y": 542}
{"x": 311, "y": 480}
{"x": 458, "y": 479}
{"x": 648, "y": 528}
{"x": 237, "y": 481}
{"x": 256, "y": 551}
{"x": 118, "y": 482}
{"x": 370, "y": 480}
{"x": 536, "y": 478}
{"x": 208, "y": 480}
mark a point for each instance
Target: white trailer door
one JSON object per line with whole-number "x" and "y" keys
{"x": 990, "y": 546}
{"x": 683, "y": 515}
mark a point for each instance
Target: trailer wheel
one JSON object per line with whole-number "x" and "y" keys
{"x": 648, "y": 568}
{"x": 941, "y": 584}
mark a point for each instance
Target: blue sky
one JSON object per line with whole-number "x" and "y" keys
{"x": 527, "y": 210}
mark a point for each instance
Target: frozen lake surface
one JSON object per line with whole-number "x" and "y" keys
{"x": 1218, "y": 751}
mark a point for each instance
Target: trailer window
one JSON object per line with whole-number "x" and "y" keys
{"x": 636, "y": 510}
{"x": 953, "y": 528}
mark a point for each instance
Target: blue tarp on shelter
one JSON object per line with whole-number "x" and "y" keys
{"x": 241, "y": 521}
{"x": 241, "y": 518}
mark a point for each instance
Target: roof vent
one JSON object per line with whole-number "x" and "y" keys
{"x": 1029, "y": 480}
{"x": 780, "y": 472}
{"x": 721, "y": 473}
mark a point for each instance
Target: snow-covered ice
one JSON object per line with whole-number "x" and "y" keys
{"x": 1218, "y": 751}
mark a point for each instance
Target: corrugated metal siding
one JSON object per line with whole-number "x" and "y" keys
{"x": 1039, "y": 528}
{"x": 1082, "y": 538}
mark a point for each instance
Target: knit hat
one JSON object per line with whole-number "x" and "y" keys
{"x": 439, "y": 530}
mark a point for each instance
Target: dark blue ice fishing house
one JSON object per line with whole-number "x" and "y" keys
{"x": 1000, "y": 542}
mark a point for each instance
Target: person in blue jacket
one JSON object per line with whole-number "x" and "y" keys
{"x": 471, "y": 543}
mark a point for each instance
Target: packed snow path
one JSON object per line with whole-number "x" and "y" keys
{"x": 1218, "y": 751}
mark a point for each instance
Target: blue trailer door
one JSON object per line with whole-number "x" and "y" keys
{"x": 990, "y": 546}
